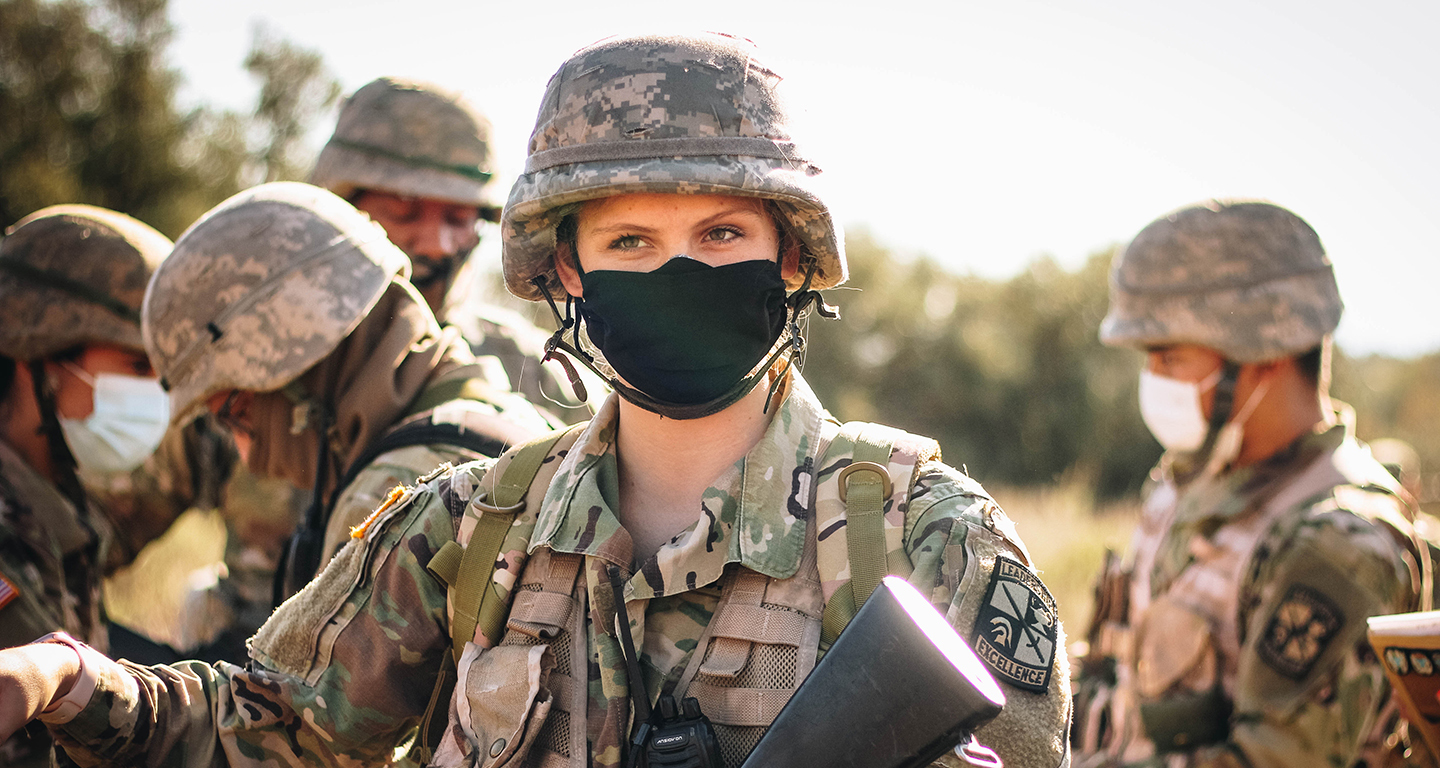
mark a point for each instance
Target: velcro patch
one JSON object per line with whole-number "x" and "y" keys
{"x": 8, "y": 591}
{"x": 1298, "y": 631}
{"x": 1017, "y": 628}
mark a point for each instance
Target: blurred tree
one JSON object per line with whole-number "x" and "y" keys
{"x": 1397, "y": 398}
{"x": 88, "y": 114}
{"x": 1008, "y": 376}
{"x": 295, "y": 90}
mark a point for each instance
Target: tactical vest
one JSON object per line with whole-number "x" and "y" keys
{"x": 1185, "y": 641}
{"x": 522, "y": 692}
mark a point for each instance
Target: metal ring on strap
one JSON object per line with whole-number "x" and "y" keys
{"x": 866, "y": 466}
{"x": 513, "y": 509}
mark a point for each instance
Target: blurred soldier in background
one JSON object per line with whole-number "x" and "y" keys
{"x": 288, "y": 313}
{"x": 1236, "y": 633}
{"x": 416, "y": 158}
{"x": 77, "y": 396}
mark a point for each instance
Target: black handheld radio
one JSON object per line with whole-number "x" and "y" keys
{"x": 670, "y": 736}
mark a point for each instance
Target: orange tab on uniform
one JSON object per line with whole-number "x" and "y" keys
{"x": 358, "y": 532}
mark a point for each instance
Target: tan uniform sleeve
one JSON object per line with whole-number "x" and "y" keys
{"x": 968, "y": 557}
{"x": 1309, "y": 689}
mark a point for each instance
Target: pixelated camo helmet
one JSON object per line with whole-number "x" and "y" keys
{"x": 690, "y": 114}
{"x": 260, "y": 289}
{"x": 1248, "y": 279}
{"x": 410, "y": 138}
{"x": 72, "y": 275}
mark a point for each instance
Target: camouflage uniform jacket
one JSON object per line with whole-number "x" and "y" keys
{"x": 49, "y": 577}
{"x": 347, "y": 667}
{"x": 1248, "y": 598}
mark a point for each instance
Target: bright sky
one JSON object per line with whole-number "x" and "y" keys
{"x": 987, "y": 133}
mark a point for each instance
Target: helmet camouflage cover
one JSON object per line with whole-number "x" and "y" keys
{"x": 1248, "y": 279}
{"x": 260, "y": 289}
{"x": 688, "y": 114}
{"x": 409, "y": 138}
{"x": 75, "y": 274}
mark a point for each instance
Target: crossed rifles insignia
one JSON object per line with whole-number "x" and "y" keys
{"x": 1016, "y": 629}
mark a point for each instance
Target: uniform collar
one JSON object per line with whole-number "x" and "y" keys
{"x": 1233, "y": 492}
{"x": 755, "y": 513}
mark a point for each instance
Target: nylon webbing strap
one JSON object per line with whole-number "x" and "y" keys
{"x": 476, "y": 389}
{"x": 650, "y": 149}
{"x": 473, "y": 582}
{"x": 474, "y": 172}
{"x": 864, "y": 490}
{"x": 73, "y": 287}
{"x": 864, "y": 515}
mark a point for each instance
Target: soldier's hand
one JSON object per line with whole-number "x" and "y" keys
{"x": 31, "y": 677}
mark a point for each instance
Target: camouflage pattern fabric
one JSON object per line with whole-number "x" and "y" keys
{"x": 48, "y": 581}
{"x": 1249, "y": 279}
{"x": 281, "y": 302}
{"x": 694, "y": 114}
{"x": 347, "y": 666}
{"x": 409, "y": 138}
{"x": 1284, "y": 644}
{"x": 72, "y": 275}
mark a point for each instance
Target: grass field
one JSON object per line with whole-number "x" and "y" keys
{"x": 1065, "y": 530}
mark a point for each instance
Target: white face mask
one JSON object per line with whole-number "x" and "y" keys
{"x": 130, "y": 417}
{"x": 1171, "y": 409}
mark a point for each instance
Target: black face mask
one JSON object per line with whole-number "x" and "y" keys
{"x": 686, "y": 333}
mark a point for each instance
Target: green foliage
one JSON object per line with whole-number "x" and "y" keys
{"x": 1396, "y": 398}
{"x": 1008, "y": 376}
{"x": 295, "y": 90}
{"x": 1011, "y": 378}
{"x": 88, "y": 114}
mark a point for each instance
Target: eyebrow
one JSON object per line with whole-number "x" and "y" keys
{"x": 642, "y": 229}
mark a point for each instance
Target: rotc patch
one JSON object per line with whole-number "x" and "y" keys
{"x": 1298, "y": 632}
{"x": 8, "y": 591}
{"x": 1016, "y": 630}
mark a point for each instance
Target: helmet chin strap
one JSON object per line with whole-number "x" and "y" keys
{"x": 790, "y": 345}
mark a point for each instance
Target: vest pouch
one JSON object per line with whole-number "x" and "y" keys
{"x": 1187, "y": 721}
{"x": 1174, "y": 649}
{"x": 502, "y": 701}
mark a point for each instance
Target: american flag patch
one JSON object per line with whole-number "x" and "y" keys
{"x": 8, "y": 591}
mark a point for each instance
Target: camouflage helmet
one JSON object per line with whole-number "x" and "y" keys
{"x": 409, "y": 138}
{"x": 260, "y": 289}
{"x": 74, "y": 274}
{"x": 1248, "y": 279}
{"x": 689, "y": 114}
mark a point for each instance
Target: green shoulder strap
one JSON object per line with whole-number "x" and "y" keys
{"x": 469, "y": 571}
{"x": 865, "y": 484}
{"x": 472, "y": 594}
